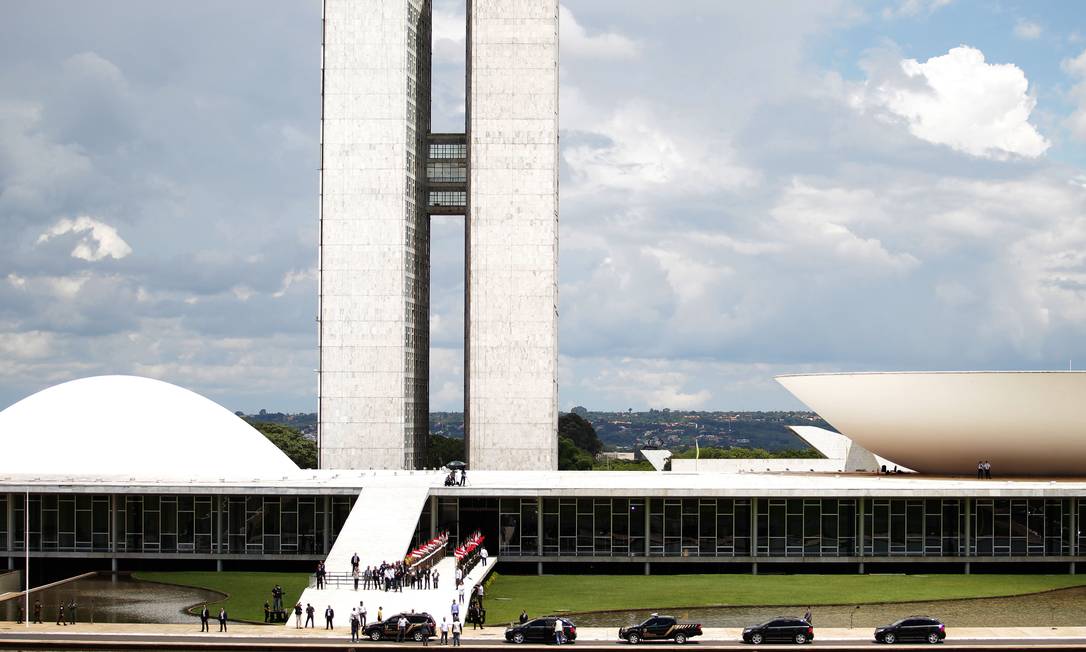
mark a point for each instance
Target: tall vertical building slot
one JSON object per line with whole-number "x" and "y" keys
{"x": 383, "y": 174}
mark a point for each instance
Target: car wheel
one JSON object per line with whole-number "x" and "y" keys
{"x": 800, "y": 639}
{"x": 756, "y": 639}
{"x": 634, "y": 639}
{"x": 375, "y": 635}
{"x": 680, "y": 638}
{"x": 518, "y": 637}
{"x": 933, "y": 638}
{"x": 419, "y": 636}
{"x": 889, "y": 638}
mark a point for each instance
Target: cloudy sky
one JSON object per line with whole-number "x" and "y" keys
{"x": 747, "y": 189}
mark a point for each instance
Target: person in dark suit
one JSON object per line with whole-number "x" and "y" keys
{"x": 222, "y": 619}
{"x": 60, "y": 616}
{"x": 328, "y": 615}
{"x": 309, "y": 611}
{"x": 205, "y": 616}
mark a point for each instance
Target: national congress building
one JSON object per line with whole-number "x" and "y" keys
{"x": 93, "y": 475}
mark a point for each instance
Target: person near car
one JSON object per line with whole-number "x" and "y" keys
{"x": 361, "y": 614}
{"x": 444, "y": 631}
{"x": 807, "y": 615}
{"x": 559, "y": 633}
{"x": 354, "y": 625}
{"x": 380, "y": 614}
{"x": 456, "y": 630}
{"x": 426, "y": 633}
{"x": 523, "y": 616}
{"x": 401, "y": 628}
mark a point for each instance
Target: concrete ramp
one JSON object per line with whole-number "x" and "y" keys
{"x": 380, "y": 525}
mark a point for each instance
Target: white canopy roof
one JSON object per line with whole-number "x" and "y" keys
{"x": 113, "y": 425}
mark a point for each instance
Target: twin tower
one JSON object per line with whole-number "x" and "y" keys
{"x": 383, "y": 174}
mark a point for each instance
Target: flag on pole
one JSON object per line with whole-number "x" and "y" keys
{"x": 697, "y": 449}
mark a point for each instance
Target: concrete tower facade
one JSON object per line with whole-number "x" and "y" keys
{"x": 382, "y": 175}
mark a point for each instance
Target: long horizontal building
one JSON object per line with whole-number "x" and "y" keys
{"x": 110, "y": 482}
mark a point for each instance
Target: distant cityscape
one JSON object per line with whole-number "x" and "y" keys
{"x": 630, "y": 431}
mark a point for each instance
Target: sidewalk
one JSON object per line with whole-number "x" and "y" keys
{"x": 497, "y": 632}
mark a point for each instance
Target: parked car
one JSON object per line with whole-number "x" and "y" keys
{"x": 659, "y": 628}
{"x": 419, "y": 626}
{"x": 540, "y": 630}
{"x": 780, "y": 630}
{"x": 913, "y": 628}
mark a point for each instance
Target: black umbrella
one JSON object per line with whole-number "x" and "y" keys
{"x": 456, "y": 465}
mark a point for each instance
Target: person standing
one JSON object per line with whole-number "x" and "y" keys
{"x": 401, "y": 628}
{"x": 980, "y": 469}
{"x": 355, "y": 561}
{"x": 426, "y": 633}
{"x": 277, "y": 598}
{"x": 426, "y": 578}
{"x": 480, "y": 591}
{"x": 267, "y": 611}
{"x": 298, "y": 616}
{"x": 380, "y": 614}
{"x": 37, "y": 612}
{"x": 459, "y": 576}
{"x": 354, "y": 625}
{"x": 444, "y": 631}
{"x": 456, "y": 629}
{"x": 436, "y": 576}
{"x": 987, "y": 470}
{"x": 455, "y": 611}
{"x": 309, "y": 611}
{"x": 205, "y": 618}
{"x": 71, "y": 611}
{"x": 559, "y": 631}
{"x": 222, "y": 619}
{"x": 523, "y": 616}
{"x": 362, "y": 613}
{"x": 460, "y": 593}
{"x": 60, "y": 616}
{"x": 807, "y": 616}
{"x": 19, "y": 616}
{"x": 483, "y": 555}
{"x": 329, "y": 614}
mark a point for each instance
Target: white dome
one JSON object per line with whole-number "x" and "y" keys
{"x": 128, "y": 425}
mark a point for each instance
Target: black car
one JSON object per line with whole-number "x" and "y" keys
{"x": 913, "y": 628}
{"x": 419, "y": 626}
{"x": 540, "y": 630}
{"x": 780, "y": 630}
{"x": 660, "y": 628}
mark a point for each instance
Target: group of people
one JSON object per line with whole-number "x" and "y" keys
{"x": 454, "y": 628}
{"x": 451, "y": 480}
{"x": 65, "y": 613}
{"x": 205, "y": 618}
{"x": 358, "y": 619}
{"x": 984, "y": 470}
{"x": 310, "y": 611}
{"x": 393, "y": 576}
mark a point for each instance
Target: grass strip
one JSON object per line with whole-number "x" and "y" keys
{"x": 246, "y": 591}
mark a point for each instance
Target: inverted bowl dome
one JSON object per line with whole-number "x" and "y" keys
{"x": 1023, "y": 422}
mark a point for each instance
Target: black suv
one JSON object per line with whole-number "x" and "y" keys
{"x": 540, "y": 630}
{"x": 419, "y": 626}
{"x": 913, "y": 628}
{"x": 659, "y": 628}
{"x": 780, "y": 630}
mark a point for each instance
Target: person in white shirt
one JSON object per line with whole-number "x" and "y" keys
{"x": 444, "y": 631}
{"x": 362, "y": 614}
{"x": 456, "y": 629}
{"x": 483, "y": 555}
{"x": 559, "y": 631}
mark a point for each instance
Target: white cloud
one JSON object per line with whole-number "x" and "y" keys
{"x": 1076, "y": 122}
{"x": 576, "y": 42}
{"x": 959, "y": 100}
{"x": 639, "y": 154}
{"x": 1027, "y": 30}
{"x": 97, "y": 240}
{"x": 914, "y": 8}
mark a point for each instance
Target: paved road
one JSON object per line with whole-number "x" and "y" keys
{"x": 37, "y": 641}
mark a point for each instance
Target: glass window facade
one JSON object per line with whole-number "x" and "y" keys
{"x": 200, "y": 524}
{"x": 771, "y": 527}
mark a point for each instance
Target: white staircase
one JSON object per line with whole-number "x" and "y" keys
{"x": 379, "y": 528}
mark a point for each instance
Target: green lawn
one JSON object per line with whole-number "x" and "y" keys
{"x": 247, "y": 591}
{"x": 554, "y": 593}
